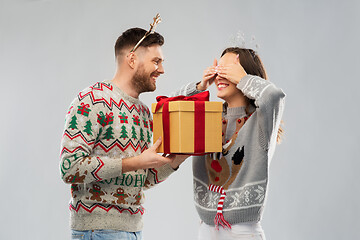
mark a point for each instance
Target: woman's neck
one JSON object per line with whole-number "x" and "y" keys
{"x": 238, "y": 100}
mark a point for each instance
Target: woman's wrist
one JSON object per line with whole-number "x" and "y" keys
{"x": 200, "y": 87}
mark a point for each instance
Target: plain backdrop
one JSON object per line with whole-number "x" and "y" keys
{"x": 52, "y": 49}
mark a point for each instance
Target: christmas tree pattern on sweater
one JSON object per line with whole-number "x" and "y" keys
{"x": 103, "y": 126}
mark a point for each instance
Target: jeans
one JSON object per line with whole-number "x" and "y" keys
{"x": 105, "y": 234}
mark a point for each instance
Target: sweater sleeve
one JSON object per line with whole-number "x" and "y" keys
{"x": 157, "y": 175}
{"x": 78, "y": 162}
{"x": 269, "y": 101}
{"x": 187, "y": 90}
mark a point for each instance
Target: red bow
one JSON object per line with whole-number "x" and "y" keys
{"x": 203, "y": 96}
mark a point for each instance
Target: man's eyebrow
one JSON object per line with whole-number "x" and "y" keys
{"x": 158, "y": 58}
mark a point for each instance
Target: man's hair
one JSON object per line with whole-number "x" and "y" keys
{"x": 132, "y": 36}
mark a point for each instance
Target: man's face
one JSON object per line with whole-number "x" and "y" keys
{"x": 149, "y": 69}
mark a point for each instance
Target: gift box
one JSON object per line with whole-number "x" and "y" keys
{"x": 189, "y": 125}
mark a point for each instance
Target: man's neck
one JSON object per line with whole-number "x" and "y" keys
{"x": 123, "y": 82}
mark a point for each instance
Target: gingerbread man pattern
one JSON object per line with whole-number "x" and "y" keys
{"x": 97, "y": 193}
{"x": 121, "y": 196}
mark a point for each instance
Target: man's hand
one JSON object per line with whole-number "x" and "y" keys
{"x": 232, "y": 72}
{"x": 208, "y": 77}
{"x": 148, "y": 159}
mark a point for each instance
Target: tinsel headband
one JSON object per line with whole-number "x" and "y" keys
{"x": 240, "y": 41}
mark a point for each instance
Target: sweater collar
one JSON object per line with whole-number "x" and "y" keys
{"x": 122, "y": 94}
{"x": 236, "y": 111}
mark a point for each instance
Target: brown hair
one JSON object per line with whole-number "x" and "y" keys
{"x": 131, "y": 37}
{"x": 253, "y": 65}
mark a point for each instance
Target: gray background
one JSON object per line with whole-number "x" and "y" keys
{"x": 50, "y": 50}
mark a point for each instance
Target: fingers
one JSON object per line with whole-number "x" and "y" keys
{"x": 222, "y": 74}
{"x": 208, "y": 77}
{"x": 166, "y": 159}
{"x": 215, "y": 62}
{"x": 157, "y": 143}
{"x": 210, "y": 70}
{"x": 209, "y": 73}
{"x": 222, "y": 71}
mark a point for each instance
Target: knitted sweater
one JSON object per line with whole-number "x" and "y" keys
{"x": 103, "y": 126}
{"x": 241, "y": 170}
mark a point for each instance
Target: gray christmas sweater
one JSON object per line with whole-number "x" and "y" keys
{"x": 103, "y": 126}
{"x": 236, "y": 179}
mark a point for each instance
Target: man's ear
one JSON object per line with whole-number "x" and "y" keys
{"x": 131, "y": 59}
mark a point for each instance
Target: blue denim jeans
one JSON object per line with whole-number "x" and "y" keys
{"x": 105, "y": 234}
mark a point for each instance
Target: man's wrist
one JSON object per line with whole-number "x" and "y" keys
{"x": 131, "y": 164}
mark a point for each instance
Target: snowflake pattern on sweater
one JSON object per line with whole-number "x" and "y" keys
{"x": 241, "y": 169}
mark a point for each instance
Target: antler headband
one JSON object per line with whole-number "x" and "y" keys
{"x": 157, "y": 20}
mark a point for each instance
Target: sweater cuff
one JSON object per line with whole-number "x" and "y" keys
{"x": 111, "y": 167}
{"x": 192, "y": 90}
{"x": 107, "y": 168}
{"x": 252, "y": 86}
{"x": 164, "y": 172}
{"x": 189, "y": 89}
{"x": 243, "y": 82}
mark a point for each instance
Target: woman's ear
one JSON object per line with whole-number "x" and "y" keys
{"x": 237, "y": 59}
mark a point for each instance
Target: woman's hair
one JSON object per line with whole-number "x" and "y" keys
{"x": 253, "y": 65}
{"x": 249, "y": 60}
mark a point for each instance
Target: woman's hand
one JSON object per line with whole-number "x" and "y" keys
{"x": 208, "y": 77}
{"x": 232, "y": 72}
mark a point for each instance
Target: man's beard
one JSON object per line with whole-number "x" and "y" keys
{"x": 142, "y": 82}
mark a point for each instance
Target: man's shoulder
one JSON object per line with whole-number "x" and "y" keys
{"x": 96, "y": 90}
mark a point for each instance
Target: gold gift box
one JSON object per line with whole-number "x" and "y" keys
{"x": 182, "y": 135}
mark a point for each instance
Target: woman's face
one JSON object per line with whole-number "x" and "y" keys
{"x": 225, "y": 88}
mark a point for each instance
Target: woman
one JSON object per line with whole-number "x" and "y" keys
{"x": 230, "y": 187}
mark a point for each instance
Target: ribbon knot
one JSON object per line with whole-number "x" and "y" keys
{"x": 203, "y": 96}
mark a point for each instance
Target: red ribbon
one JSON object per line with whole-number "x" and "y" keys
{"x": 199, "y": 124}
{"x": 203, "y": 96}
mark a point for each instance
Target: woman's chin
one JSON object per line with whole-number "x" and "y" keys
{"x": 220, "y": 95}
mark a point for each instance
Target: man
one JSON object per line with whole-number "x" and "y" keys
{"x": 106, "y": 154}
